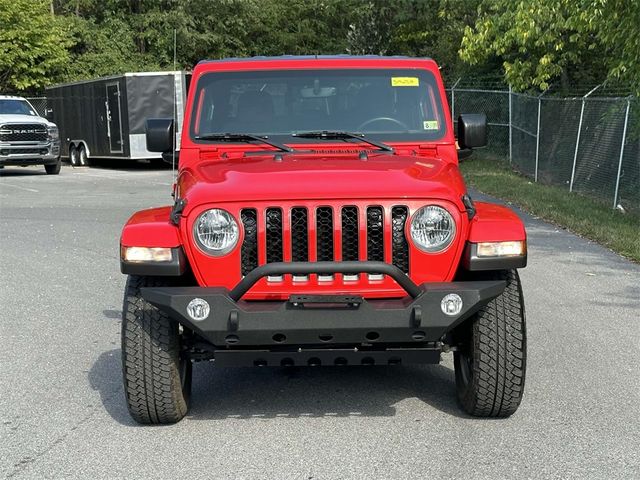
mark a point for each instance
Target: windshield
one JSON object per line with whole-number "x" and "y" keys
{"x": 387, "y": 104}
{"x": 16, "y": 107}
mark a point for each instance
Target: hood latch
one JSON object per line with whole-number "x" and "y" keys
{"x": 176, "y": 211}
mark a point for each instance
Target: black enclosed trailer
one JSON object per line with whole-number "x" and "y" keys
{"x": 105, "y": 117}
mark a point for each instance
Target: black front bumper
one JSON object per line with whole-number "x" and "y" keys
{"x": 322, "y": 322}
{"x": 22, "y": 154}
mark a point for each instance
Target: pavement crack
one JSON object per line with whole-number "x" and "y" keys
{"x": 28, "y": 460}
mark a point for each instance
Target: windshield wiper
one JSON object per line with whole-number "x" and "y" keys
{"x": 242, "y": 137}
{"x": 337, "y": 134}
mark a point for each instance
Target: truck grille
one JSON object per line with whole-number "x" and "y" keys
{"x": 23, "y": 151}
{"x": 293, "y": 242}
{"x": 23, "y": 132}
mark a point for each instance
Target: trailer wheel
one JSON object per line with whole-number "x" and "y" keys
{"x": 82, "y": 156}
{"x": 73, "y": 156}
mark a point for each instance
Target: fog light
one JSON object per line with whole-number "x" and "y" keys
{"x": 198, "y": 309}
{"x": 451, "y": 304}
{"x": 146, "y": 254}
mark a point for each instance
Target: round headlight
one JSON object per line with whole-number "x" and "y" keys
{"x": 216, "y": 232}
{"x": 432, "y": 228}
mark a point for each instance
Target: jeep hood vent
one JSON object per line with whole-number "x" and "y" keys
{"x": 350, "y": 151}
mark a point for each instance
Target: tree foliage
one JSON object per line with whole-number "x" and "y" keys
{"x": 33, "y": 44}
{"x": 570, "y": 41}
{"x": 534, "y": 44}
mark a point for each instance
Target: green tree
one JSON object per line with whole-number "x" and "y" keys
{"x": 419, "y": 28}
{"x": 617, "y": 26}
{"x": 33, "y": 45}
{"x": 570, "y": 41}
{"x": 434, "y": 28}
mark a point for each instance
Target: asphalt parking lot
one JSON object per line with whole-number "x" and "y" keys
{"x": 64, "y": 416}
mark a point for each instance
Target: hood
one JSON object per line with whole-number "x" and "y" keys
{"x": 24, "y": 119}
{"x": 312, "y": 177}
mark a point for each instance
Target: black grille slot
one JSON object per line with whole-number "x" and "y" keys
{"x": 399, "y": 245}
{"x": 324, "y": 232}
{"x": 375, "y": 234}
{"x": 23, "y": 132}
{"x": 249, "y": 250}
{"x": 299, "y": 234}
{"x": 350, "y": 234}
{"x": 23, "y": 151}
{"x": 274, "y": 235}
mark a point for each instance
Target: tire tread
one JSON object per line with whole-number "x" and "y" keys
{"x": 151, "y": 358}
{"x": 498, "y": 346}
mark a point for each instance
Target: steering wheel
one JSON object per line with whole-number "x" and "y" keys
{"x": 383, "y": 119}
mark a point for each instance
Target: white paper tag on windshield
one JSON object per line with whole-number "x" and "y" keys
{"x": 405, "y": 82}
{"x": 430, "y": 125}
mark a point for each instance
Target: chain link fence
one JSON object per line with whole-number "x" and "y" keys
{"x": 40, "y": 104}
{"x": 589, "y": 144}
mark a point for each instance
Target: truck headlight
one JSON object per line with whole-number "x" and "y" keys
{"x": 53, "y": 133}
{"x": 432, "y": 228}
{"x": 216, "y": 232}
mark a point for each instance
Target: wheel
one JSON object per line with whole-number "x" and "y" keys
{"x": 400, "y": 124}
{"x": 54, "y": 168}
{"x": 157, "y": 378}
{"x": 73, "y": 156}
{"x": 490, "y": 366}
{"x": 82, "y": 156}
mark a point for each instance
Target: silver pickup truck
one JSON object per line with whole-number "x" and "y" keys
{"x": 27, "y": 138}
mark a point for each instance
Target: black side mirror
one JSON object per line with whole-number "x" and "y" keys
{"x": 160, "y": 134}
{"x": 48, "y": 113}
{"x": 472, "y": 130}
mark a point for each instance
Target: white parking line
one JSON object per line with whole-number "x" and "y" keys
{"x": 21, "y": 188}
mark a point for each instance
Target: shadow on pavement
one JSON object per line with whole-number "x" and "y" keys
{"x": 128, "y": 165}
{"x": 275, "y": 392}
{"x": 22, "y": 171}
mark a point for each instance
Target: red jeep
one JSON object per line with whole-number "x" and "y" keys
{"x": 320, "y": 218}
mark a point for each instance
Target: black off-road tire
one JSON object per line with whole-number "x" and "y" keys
{"x": 157, "y": 380}
{"x": 490, "y": 368}
{"x": 53, "y": 169}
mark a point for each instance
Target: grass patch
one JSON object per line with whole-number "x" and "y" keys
{"x": 585, "y": 216}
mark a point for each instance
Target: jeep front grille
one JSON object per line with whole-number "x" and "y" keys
{"x": 324, "y": 234}
{"x": 274, "y": 235}
{"x": 289, "y": 238}
{"x": 249, "y": 251}
{"x": 299, "y": 235}
{"x": 375, "y": 234}
{"x": 399, "y": 245}
{"x": 23, "y": 132}
{"x": 350, "y": 232}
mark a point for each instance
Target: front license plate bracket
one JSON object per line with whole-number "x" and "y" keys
{"x": 325, "y": 301}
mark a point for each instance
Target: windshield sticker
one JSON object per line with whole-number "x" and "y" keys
{"x": 405, "y": 82}
{"x": 430, "y": 125}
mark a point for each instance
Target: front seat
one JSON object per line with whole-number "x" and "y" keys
{"x": 255, "y": 113}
